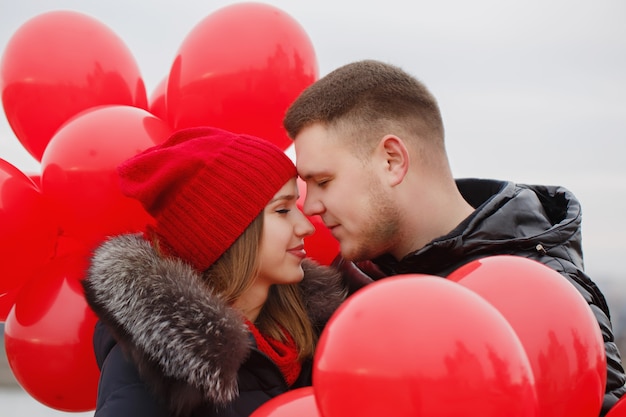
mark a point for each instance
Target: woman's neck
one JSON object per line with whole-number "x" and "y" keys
{"x": 251, "y": 301}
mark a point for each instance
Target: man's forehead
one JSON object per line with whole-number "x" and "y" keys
{"x": 317, "y": 150}
{"x": 311, "y": 147}
{"x": 313, "y": 164}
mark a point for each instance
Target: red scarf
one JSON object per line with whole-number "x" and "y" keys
{"x": 284, "y": 355}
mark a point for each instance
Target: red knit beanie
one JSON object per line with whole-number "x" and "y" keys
{"x": 204, "y": 186}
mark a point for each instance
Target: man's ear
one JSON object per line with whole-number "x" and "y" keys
{"x": 395, "y": 157}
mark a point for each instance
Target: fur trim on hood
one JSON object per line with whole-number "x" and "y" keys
{"x": 187, "y": 343}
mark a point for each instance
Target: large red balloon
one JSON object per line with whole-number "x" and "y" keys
{"x": 321, "y": 245}
{"x": 48, "y": 337}
{"x": 554, "y": 323}
{"x": 239, "y": 69}
{"x": 299, "y": 402}
{"x": 79, "y": 170}
{"x": 418, "y": 345}
{"x": 58, "y": 64}
{"x": 27, "y": 230}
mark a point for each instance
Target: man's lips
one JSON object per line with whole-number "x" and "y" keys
{"x": 329, "y": 226}
{"x": 333, "y": 228}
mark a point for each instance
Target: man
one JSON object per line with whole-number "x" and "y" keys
{"x": 369, "y": 142}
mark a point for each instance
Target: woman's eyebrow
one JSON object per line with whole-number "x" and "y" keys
{"x": 284, "y": 197}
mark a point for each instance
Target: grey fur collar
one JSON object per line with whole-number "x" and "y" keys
{"x": 187, "y": 342}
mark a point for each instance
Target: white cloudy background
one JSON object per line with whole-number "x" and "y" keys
{"x": 533, "y": 90}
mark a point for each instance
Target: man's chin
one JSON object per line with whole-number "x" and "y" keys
{"x": 350, "y": 254}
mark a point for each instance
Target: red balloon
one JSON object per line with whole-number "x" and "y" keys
{"x": 619, "y": 409}
{"x": 239, "y": 69}
{"x": 7, "y": 300}
{"x": 58, "y": 64}
{"x": 156, "y": 101}
{"x": 554, "y": 323}
{"x": 28, "y": 232}
{"x": 35, "y": 177}
{"x": 321, "y": 245}
{"x": 79, "y": 170}
{"x": 419, "y": 345}
{"x": 48, "y": 337}
{"x": 299, "y": 402}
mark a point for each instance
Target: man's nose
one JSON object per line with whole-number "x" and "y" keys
{"x": 312, "y": 206}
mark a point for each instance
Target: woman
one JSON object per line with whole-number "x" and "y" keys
{"x": 214, "y": 309}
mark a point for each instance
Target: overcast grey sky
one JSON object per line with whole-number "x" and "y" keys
{"x": 533, "y": 90}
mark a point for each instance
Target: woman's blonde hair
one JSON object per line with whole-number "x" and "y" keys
{"x": 235, "y": 271}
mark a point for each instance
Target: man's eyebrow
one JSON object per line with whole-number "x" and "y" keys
{"x": 312, "y": 174}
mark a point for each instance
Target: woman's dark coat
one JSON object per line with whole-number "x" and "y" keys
{"x": 167, "y": 345}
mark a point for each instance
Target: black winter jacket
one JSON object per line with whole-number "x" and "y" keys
{"x": 538, "y": 222}
{"x": 166, "y": 345}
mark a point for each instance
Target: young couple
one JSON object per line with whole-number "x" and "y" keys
{"x": 215, "y": 309}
